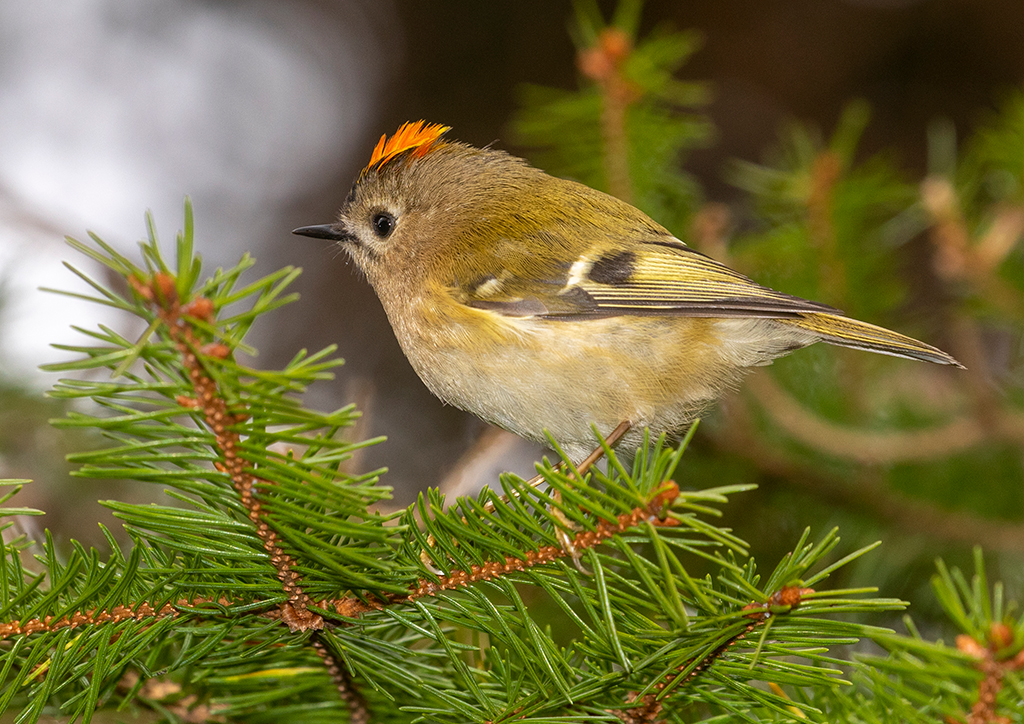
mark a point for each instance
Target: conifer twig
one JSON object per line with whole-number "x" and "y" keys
{"x": 650, "y": 706}
{"x": 161, "y": 292}
{"x": 993, "y": 670}
{"x": 358, "y": 712}
{"x": 88, "y": 618}
{"x": 352, "y": 606}
{"x": 826, "y": 171}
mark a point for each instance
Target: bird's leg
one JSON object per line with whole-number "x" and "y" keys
{"x": 566, "y": 525}
{"x": 562, "y": 533}
{"x": 598, "y": 452}
{"x": 584, "y": 465}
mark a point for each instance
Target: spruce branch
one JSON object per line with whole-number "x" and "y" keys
{"x": 980, "y": 680}
{"x": 869, "y": 210}
{"x": 271, "y": 566}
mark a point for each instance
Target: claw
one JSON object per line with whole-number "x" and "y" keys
{"x": 565, "y": 538}
{"x": 425, "y": 558}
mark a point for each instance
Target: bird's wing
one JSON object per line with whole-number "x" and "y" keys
{"x": 657, "y": 275}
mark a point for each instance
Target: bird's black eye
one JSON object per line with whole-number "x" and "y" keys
{"x": 383, "y": 224}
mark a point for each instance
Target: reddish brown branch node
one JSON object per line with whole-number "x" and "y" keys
{"x": 201, "y": 308}
{"x": 788, "y": 596}
{"x": 993, "y": 669}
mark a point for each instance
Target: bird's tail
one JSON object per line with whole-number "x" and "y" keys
{"x": 847, "y": 332}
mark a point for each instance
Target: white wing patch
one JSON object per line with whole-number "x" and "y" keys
{"x": 488, "y": 287}
{"x": 577, "y": 273}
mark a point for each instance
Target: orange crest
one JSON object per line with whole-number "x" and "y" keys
{"x": 417, "y": 136}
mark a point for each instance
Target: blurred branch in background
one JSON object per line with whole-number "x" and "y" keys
{"x": 921, "y": 451}
{"x": 631, "y": 123}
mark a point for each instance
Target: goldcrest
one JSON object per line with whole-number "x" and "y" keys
{"x": 538, "y": 303}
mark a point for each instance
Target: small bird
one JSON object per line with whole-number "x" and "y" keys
{"x": 538, "y": 303}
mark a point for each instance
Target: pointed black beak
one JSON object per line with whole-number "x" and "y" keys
{"x": 323, "y": 231}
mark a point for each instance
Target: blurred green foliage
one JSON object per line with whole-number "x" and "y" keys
{"x": 931, "y": 460}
